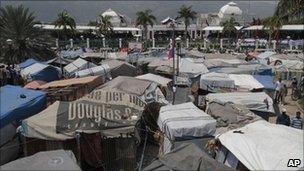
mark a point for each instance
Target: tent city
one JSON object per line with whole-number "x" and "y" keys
{"x": 152, "y": 85}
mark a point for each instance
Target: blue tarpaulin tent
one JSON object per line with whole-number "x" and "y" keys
{"x": 18, "y": 103}
{"x": 266, "y": 81}
{"x": 27, "y": 63}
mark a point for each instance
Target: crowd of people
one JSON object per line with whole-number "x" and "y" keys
{"x": 9, "y": 75}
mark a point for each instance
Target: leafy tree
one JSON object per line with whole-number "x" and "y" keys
{"x": 273, "y": 24}
{"x": 144, "y": 19}
{"x": 229, "y": 28}
{"x": 67, "y": 23}
{"x": 104, "y": 25}
{"x": 19, "y": 38}
{"x": 186, "y": 14}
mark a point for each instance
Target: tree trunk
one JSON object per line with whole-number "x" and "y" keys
{"x": 186, "y": 31}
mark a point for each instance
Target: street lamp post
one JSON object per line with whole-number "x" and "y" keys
{"x": 178, "y": 41}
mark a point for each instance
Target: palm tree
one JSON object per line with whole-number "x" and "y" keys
{"x": 229, "y": 28}
{"x": 290, "y": 11}
{"x": 186, "y": 14}
{"x": 65, "y": 21}
{"x": 104, "y": 25}
{"x": 273, "y": 24}
{"x": 25, "y": 40}
{"x": 144, "y": 19}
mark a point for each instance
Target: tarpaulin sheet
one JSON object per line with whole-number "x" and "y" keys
{"x": 14, "y": 107}
{"x": 212, "y": 80}
{"x": 265, "y": 146}
{"x": 155, "y": 78}
{"x": 27, "y": 63}
{"x": 47, "y": 160}
{"x": 186, "y": 157}
{"x": 266, "y": 80}
{"x": 245, "y": 82}
{"x": 253, "y": 101}
{"x": 185, "y": 120}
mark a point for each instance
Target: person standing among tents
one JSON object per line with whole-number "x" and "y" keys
{"x": 283, "y": 94}
{"x": 283, "y": 118}
{"x": 278, "y": 89}
{"x": 297, "y": 122}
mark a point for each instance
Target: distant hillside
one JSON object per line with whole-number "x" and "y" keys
{"x": 83, "y": 11}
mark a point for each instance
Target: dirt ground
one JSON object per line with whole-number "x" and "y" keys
{"x": 290, "y": 106}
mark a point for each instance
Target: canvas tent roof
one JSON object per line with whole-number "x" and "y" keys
{"x": 27, "y": 63}
{"x": 155, "y": 78}
{"x": 39, "y": 71}
{"x": 245, "y": 82}
{"x": 212, "y": 80}
{"x": 47, "y": 160}
{"x": 119, "y": 68}
{"x": 253, "y": 69}
{"x": 186, "y": 157}
{"x": 185, "y": 120}
{"x": 253, "y": 101}
{"x": 77, "y": 65}
{"x": 16, "y": 107}
{"x": 34, "y": 84}
{"x": 259, "y": 147}
{"x": 98, "y": 70}
{"x": 230, "y": 116}
{"x": 190, "y": 67}
{"x": 70, "y": 82}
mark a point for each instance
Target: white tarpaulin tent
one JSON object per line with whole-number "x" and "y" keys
{"x": 265, "y": 146}
{"x": 185, "y": 120}
{"x": 212, "y": 80}
{"x": 48, "y": 160}
{"x": 253, "y": 101}
{"x": 188, "y": 66}
{"x": 155, "y": 78}
{"x": 98, "y": 70}
{"x": 245, "y": 82}
{"x": 77, "y": 65}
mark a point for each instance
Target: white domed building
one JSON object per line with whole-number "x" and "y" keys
{"x": 230, "y": 10}
{"x": 117, "y": 19}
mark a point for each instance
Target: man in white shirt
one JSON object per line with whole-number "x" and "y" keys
{"x": 278, "y": 89}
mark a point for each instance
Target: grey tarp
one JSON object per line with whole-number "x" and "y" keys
{"x": 186, "y": 157}
{"x": 49, "y": 160}
{"x": 119, "y": 68}
{"x": 230, "y": 116}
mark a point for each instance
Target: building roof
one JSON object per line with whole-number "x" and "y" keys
{"x": 284, "y": 27}
{"x": 230, "y": 9}
{"x": 218, "y": 28}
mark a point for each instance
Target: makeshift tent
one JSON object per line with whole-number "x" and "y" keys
{"x": 27, "y": 63}
{"x": 162, "y": 81}
{"x": 98, "y": 70}
{"x": 49, "y": 160}
{"x": 230, "y": 116}
{"x": 71, "y": 82}
{"x": 266, "y": 80}
{"x": 9, "y": 144}
{"x": 215, "y": 63}
{"x": 19, "y": 103}
{"x": 34, "y": 84}
{"x": 260, "y": 103}
{"x": 265, "y": 146}
{"x": 186, "y": 157}
{"x": 59, "y": 61}
{"x": 245, "y": 82}
{"x": 188, "y": 66}
{"x": 117, "y": 55}
{"x": 71, "y": 53}
{"x": 182, "y": 122}
{"x": 39, "y": 71}
{"x": 212, "y": 81}
{"x": 119, "y": 68}
{"x": 77, "y": 65}
{"x": 253, "y": 69}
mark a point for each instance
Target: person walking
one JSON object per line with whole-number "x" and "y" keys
{"x": 283, "y": 94}
{"x": 283, "y": 118}
{"x": 278, "y": 88}
{"x": 297, "y": 122}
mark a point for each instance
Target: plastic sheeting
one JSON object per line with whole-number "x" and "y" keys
{"x": 39, "y": 71}
{"x": 211, "y": 81}
{"x": 19, "y": 103}
{"x": 94, "y": 71}
{"x": 245, "y": 82}
{"x": 77, "y": 65}
{"x": 186, "y": 157}
{"x": 189, "y": 67}
{"x": 119, "y": 68}
{"x": 265, "y": 146}
{"x": 48, "y": 160}
{"x": 253, "y": 101}
{"x": 266, "y": 80}
{"x": 185, "y": 120}
{"x": 155, "y": 78}
{"x": 27, "y": 63}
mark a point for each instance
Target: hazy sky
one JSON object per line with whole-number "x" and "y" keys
{"x": 83, "y": 11}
